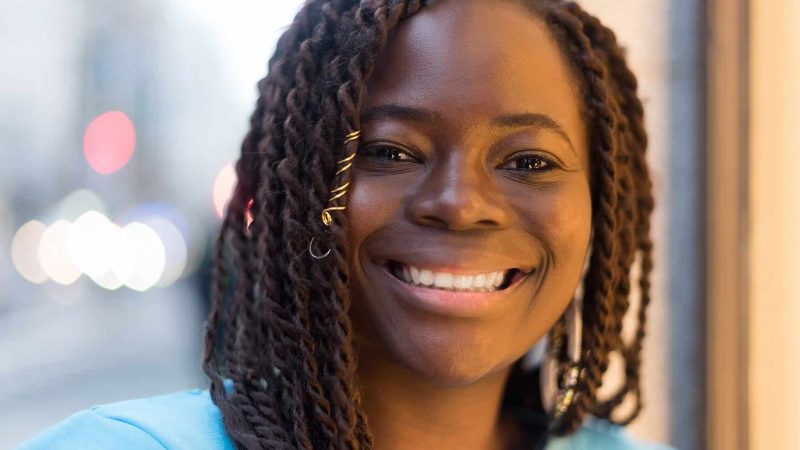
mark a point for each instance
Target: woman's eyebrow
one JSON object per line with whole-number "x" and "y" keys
{"x": 532, "y": 120}
{"x": 394, "y": 111}
{"x": 427, "y": 116}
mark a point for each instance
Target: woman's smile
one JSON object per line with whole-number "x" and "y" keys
{"x": 478, "y": 274}
{"x": 457, "y": 290}
{"x": 457, "y": 280}
{"x": 466, "y": 303}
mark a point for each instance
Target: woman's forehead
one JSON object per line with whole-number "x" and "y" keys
{"x": 483, "y": 59}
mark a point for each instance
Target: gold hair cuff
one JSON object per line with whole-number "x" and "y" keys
{"x": 340, "y": 194}
{"x": 340, "y": 191}
{"x": 341, "y": 188}
{"x": 344, "y": 169}
{"x": 348, "y": 159}
{"x": 352, "y": 137}
{"x": 327, "y": 219}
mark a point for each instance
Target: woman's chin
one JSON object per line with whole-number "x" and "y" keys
{"x": 448, "y": 362}
{"x": 453, "y": 373}
{"x": 436, "y": 348}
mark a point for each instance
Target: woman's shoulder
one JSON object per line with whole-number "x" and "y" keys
{"x": 176, "y": 421}
{"x": 190, "y": 420}
{"x": 597, "y": 434}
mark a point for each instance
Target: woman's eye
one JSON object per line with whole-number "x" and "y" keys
{"x": 530, "y": 163}
{"x": 389, "y": 153}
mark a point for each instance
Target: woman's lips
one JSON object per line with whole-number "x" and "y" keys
{"x": 466, "y": 304}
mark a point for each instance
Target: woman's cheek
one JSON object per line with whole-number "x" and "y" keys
{"x": 373, "y": 201}
{"x": 367, "y": 207}
{"x": 561, "y": 218}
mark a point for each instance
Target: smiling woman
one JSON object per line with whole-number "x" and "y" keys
{"x": 472, "y": 175}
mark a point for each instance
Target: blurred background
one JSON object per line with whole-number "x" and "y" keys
{"x": 119, "y": 122}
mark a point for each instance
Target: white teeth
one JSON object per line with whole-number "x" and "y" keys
{"x": 496, "y": 279}
{"x": 479, "y": 281}
{"x": 462, "y": 281}
{"x": 443, "y": 280}
{"x": 426, "y": 277}
{"x": 414, "y": 275}
{"x": 454, "y": 282}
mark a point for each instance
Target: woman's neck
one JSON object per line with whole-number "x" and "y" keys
{"x": 406, "y": 411}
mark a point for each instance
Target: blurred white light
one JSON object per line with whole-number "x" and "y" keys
{"x": 92, "y": 242}
{"x": 140, "y": 257}
{"x": 25, "y": 251}
{"x": 174, "y": 247}
{"x": 223, "y": 188}
{"x": 78, "y": 202}
{"x": 53, "y": 254}
{"x": 108, "y": 281}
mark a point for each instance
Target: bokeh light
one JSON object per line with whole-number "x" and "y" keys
{"x": 77, "y": 203}
{"x": 174, "y": 247}
{"x": 140, "y": 257}
{"x": 53, "y": 255}
{"x": 109, "y": 142}
{"x": 151, "y": 210}
{"x": 25, "y": 251}
{"x": 173, "y": 230}
{"x": 92, "y": 242}
{"x": 223, "y": 188}
{"x": 107, "y": 280}
{"x": 145, "y": 253}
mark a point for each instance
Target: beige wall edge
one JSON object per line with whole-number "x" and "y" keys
{"x": 727, "y": 138}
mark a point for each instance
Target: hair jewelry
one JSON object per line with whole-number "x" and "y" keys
{"x": 311, "y": 252}
{"x": 340, "y": 191}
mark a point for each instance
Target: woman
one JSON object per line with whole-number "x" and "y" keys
{"x": 427, "y": 189}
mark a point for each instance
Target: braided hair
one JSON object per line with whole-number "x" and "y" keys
{"x": 278, "y": 339}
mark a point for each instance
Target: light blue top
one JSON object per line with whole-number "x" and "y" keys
{"x": 189, "y": 420}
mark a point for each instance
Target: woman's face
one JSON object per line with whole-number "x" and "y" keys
{"x": 472, "y": 161}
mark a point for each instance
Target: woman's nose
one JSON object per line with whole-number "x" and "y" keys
{"x": 459, "y": 195}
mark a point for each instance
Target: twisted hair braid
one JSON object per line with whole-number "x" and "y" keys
{"x": 632, "y": 111}
{"x": 636, "y": 209}
{"x": 278, "y": 340}
{"x": 600, "y": 278}
{"x": 633, "y": 206}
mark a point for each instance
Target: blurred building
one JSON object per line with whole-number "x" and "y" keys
{"x": 168, "y": 68}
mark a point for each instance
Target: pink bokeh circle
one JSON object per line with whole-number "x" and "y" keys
{"x": 109, "y": 142}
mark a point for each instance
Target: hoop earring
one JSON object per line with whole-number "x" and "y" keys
{"x": 556, "y": 399}
{"x": 311, "y": 252}
{"x": 558, "y": 388}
